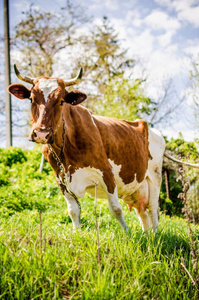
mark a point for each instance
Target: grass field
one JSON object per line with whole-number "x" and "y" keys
{"x": 57, "y": 263}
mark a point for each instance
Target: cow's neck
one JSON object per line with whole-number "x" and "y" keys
{"x": 69, "y": 134}
{"x": 65, "y": 127}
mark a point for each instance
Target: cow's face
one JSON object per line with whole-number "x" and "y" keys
{"x": 47, "y": 97}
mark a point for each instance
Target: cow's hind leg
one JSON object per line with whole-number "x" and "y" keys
{"x": 116, "y": 209}
{"x": 140, "y": 203}
{"x": 143, "y": 216}
{"x": 154, "y": 191}
{"x": 73, "y": 209}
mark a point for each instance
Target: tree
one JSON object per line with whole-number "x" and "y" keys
{"x": 109, "y": 60}
{"x": 108, "y": 73}
{"x": 42, "y": 35}
{"x": 124, "y": 98}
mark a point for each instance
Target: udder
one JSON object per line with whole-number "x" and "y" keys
{"x": 139, "y": 199}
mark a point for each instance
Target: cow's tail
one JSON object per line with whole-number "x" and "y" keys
{"x": 180, "y": 162}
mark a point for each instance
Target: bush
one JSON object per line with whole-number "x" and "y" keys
{"x": 189, "y": 152}
{"x": 23, "y": 187}
{"x": 12, "y": 156}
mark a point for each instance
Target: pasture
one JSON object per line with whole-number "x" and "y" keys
{"x": 42, "y": 258}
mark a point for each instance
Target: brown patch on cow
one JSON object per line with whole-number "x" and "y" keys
{"x": 126, "y": 143}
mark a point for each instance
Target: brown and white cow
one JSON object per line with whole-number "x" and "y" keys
{"x": 124, "y": 157}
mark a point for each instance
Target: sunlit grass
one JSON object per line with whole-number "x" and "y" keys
{"x": 63, "y": 263}
{"x": 134, "y": 266}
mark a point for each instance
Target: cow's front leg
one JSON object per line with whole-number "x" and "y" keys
{"x": 116, "y": 209}
{"x": 73, "y": 209}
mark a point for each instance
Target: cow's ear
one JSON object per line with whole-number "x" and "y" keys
{"x": 75, "y": 97}
{"x": 19, "y": 91}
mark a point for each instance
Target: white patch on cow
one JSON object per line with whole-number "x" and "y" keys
{"x": 123, "y": 189}
{"x": 73, "y": 210}
{"x": 42, "y": 113}
{"x": 84, "y": 179}
{"x": 47, "y": 86}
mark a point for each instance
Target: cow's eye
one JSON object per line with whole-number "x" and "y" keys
{"x": 62, "y": 102}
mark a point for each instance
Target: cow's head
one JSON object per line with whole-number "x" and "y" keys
{"x": 47, "y": 97}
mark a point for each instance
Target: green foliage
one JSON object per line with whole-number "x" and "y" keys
{"x": 12, "y": 156}
{"x": 22, "y": 185}
{"x": 187, "y": 151}
{"x": 180, "y": 147}
{"x": 124, "y": 99}
{"x": 57, "y": 263}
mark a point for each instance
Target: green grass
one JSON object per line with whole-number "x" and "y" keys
{"x": 133, "y": 266}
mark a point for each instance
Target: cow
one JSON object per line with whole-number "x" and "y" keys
{"x": 124, "y": 158}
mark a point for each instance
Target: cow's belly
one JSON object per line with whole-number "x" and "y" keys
{"x": 85, "y": 179}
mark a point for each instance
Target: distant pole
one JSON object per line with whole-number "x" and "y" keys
{"x": 41, "y": 164}
{"x": 7, "y": 75}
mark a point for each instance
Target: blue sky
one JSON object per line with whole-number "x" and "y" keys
{"x": 162, "y": 35}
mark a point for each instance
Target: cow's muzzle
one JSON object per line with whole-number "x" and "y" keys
{"x": 41, "y": 136}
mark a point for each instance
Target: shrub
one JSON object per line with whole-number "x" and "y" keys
{"x": 10, "y": 156}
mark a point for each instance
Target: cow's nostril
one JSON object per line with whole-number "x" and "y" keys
{"x": 34, "y": 135}
{"x": 47, "y": 135}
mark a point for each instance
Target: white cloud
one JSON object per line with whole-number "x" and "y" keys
{"x": 157, "y": 27}
{"x": 20, "y": 6}
{"x": 186, "y": 10}
{"x": 192, "y": 49}
{"x": 165, "y": 39}
{"x": 157, "y": 56}
{"x": 160, "y": 20}
{"x": 134, "y": 18}
{"x": 106, "y": 5}
{"x": 141, "y": 45}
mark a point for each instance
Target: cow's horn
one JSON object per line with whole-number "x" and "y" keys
{"x": 74, "y": 80}
{"x": 26, "y": 79}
